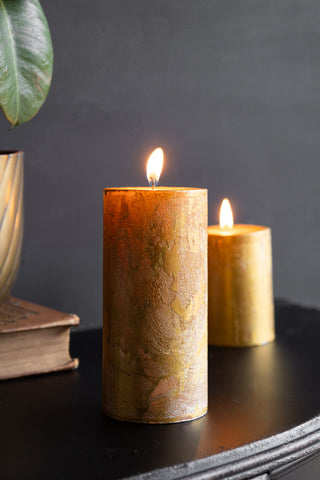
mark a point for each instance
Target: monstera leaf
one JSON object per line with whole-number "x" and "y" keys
{"x": 26, "y": 59}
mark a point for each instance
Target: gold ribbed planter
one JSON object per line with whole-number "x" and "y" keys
{"x": 11, "y": 218}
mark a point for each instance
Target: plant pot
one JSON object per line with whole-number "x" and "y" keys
{"x": 11, "y": 218}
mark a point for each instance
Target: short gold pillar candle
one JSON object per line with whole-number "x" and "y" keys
{"x": 155, "y": 304}
{"x": 240, "y": 309}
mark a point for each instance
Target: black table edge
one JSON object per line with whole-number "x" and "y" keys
{"x": 249, "y": 460}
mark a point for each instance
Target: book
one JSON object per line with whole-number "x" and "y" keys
{"x": 34, "y": 339}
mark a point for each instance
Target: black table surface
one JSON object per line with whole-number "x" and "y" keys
{"x": 264, "y": 407}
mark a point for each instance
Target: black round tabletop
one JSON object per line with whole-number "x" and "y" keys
{"x": 264, "y": 407}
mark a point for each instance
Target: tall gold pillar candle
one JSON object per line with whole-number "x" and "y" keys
{"x": 155, "y": 304}
{"x": 240, "y": 309}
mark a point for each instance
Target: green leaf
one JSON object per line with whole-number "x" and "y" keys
{"x": 26, "y": 59}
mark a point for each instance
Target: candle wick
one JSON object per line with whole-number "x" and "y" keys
{"x": 152, "y": 182}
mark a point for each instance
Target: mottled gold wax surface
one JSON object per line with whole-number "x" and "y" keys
{"x": 241, "y": 310}
{"x": 11, "y": 219}
{"x": 155, "y": 304}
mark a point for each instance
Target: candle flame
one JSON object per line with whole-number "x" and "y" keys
{"x": 226, "y": 217}
{"x": 154, "y": 166}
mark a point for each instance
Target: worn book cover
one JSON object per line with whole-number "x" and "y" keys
{"x": 34, "y": 339}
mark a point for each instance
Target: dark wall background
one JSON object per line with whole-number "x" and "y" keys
{"x": 230, "y": 89}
